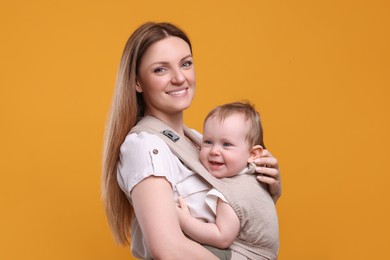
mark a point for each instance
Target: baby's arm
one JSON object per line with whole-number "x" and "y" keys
{"x": 221, "y": 234}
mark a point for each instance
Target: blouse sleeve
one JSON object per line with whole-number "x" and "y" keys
{"x": 212, "y": 198}
{"x": 143, "y": 155}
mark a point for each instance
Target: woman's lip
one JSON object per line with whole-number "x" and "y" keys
{"x": 177, "y": 92}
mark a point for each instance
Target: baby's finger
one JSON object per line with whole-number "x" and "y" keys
{"x": 180, "y": 200}
{"x": 182, "y": 204}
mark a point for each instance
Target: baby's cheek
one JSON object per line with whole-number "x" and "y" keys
{"x": 203, "y": 157}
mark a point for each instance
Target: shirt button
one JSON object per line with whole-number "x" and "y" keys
{"x": 155, "y": 151}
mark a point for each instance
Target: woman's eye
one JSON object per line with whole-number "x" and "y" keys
{"x": 159, "y": 70}
{"x": 187, "y": 63}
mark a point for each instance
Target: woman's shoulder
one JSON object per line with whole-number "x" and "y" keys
{"x": 142, "y": 136}
{"x": 141, "y": 140}
{"x": 145, "y": 150}
{"x": 144, "y": 154}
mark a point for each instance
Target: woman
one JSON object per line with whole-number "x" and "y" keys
{"x": 156, "y": 77}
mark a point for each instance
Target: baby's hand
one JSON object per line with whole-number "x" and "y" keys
{"x": 183, "y": 211}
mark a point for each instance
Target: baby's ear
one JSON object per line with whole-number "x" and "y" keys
{"x": 255, "y": 153}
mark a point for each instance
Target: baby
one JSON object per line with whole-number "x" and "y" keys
{"x": 232, "y": 140}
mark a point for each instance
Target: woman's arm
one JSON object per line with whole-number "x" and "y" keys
{"x": 221, "y": 234}
{"x": 156, "y": 213}
{"x": 269, "y": 168}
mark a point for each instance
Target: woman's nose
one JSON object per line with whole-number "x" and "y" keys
{"x": 178, "y": 77}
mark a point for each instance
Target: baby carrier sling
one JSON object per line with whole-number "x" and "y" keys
{"x": 259, "y": 246}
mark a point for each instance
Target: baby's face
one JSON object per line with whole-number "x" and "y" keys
{"x": 224, "y": 150}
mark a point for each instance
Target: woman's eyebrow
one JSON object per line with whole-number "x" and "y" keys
{"x": 188, "y": 56}
{"x": 166, "y": 62}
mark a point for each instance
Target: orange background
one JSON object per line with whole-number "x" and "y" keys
{"x": 318, "y": 72}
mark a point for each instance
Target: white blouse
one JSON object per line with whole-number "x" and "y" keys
{"x": 143, "y": 155}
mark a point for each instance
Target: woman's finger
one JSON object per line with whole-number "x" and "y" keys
{"x": 270, "y": 162}
{"x": 274, "y": 186}
{"x": 266, "y": 153}
{"x": 267, "y": 180}
{"x": 270, "y": 172}
{"x": 267, "y": 159}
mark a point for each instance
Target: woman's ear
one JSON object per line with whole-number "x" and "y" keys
{"x": 255, "y": 153}
{"x": 138, "y": 87}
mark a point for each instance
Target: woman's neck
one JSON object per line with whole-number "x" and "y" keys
{"x": 174, "y": 121}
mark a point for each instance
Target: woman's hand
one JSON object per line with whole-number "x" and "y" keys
{"x": 268, "y": 167}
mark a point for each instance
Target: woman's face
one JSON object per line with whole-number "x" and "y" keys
{"x": 167, "y": 77}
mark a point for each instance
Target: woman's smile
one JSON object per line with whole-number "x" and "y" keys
{"x": 180, "y": 93}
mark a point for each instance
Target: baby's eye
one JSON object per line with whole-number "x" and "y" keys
{"x": 206, "y": 142}
{"x": 227, "y": 144}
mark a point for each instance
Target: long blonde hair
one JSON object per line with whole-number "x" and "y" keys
{"x": 126, "y": 109}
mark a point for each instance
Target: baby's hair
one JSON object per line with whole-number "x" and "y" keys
{"x": 254, "y": 134}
